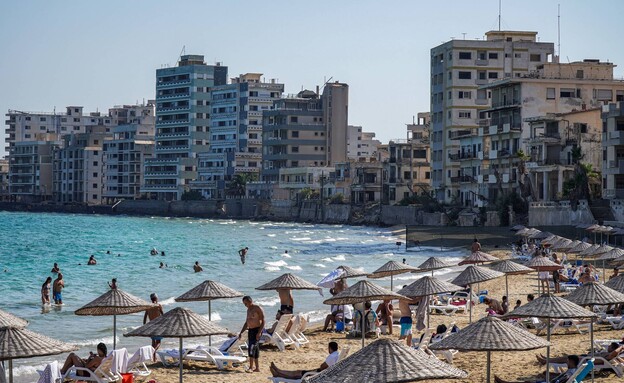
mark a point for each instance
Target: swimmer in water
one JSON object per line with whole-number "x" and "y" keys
{"x": 113, "y": 284}
{"x": 55, "y": 269}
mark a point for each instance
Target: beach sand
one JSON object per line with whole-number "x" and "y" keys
{"x": 508, "y": 365}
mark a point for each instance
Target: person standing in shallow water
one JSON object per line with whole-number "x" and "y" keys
{"x": 45, "y": 291}
{"x": 243, "y": 254}
{"x": 57, "y": 289}
{"x": 197, "y": 268}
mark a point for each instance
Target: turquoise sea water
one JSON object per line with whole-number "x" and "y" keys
{"x": 32, "y": 242}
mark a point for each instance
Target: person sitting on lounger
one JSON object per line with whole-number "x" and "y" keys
{"x": 613, "y": 350}
{"x": 571, "y": 360}
{"x": 92, "y": 362}
{"x": 331, "y": 359}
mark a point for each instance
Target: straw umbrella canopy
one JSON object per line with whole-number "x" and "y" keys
{"x": 590, "y": 251}
{"x": 527, "y": 232}
{"x": 209, "y": 291}
{"x": 431, "y": 264}
{"x": 490, "y": 334}
{"x": 114, "y": 302}
{"x": 509, "y": 268}
{"x": 361, "y": 292}
{"x": 517, "y": 228}
{"x": 543, "y": 264}
{"x": 610, "y": 255}
{"x": 350, "y": 272}
{"x": 427, "y": 286}
{"x": 385, "y": 361}
{"x": 564, "y": 244}
{"x": 540, "y": 235}
{"x": 179, "y": 323}
{"x": 474, "y": 274}
{"x": 10, "y": 320}
{"x": 16, "y": 342}
{"x": 390, "y": 269}
{"x": 616, "y": 283}
{"x": 551, "y": 240}
{"x": 478, "y": 257}
{"x": 551, "y": 307}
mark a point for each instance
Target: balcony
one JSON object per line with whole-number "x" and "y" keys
{"x": 455, "y": 135}
{"x": 505, "y": 103}
{"x": 463, "y": 179}
{"x": 164, "y": 84}
{"x": 613, "y": 138}
{"x": 454, "y": 156}
{"x": 614, "y": 167}
{"x": 467, "y": 156}
{"x": 613, "y": 193}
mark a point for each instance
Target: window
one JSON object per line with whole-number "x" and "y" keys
{"x": 535, "y": 57}
{"x": 76, "y": 127}
{"x": 580, "y": 73}
{"x": 294, "y": 119}
{"x": 95, "y": 187}
{"x": 294, "y": 149}
{"x": 493, "y": 55}
{"x": 294, "y": 134}
{"x": 42, "y": 118}
{"x": 603, "y": 94}
{"x": 94, "y": 196}
{"x": 465, "y": 55}
{"x": 517, "y": 55}
{"x": 492, "y": 75}
{"x": 27, "y": 118}
{"x": 95, "y": 163}
{"x": 550, "y": 93}
{"x": 464, "y": 75}
{"x": 95, "y": 174}
{"x": 253, "y": 93}
{"x": 464, "y": 94}
{"x": 482, "y": 75}
{"x": 482, "y": 55}
{"x": 450, "y": 75}
{"x": 465, "y": 114}
{"x": 566, "y": 92}
{"x": 294, "y": 164}
{"x": 450, "y": 95}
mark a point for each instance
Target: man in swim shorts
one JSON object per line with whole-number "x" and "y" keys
{"x": 243, "y": 254}
{"x": 152, "y": 314}
{"x": 254, "y": 324}
{"x": 286, "y": 301}
{"x": 406, "y": 321}
{"x": 57, "y": 289}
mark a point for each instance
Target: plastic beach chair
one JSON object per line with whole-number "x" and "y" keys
{"x": 136, "y": 363}
{"x": 102, "y": 374}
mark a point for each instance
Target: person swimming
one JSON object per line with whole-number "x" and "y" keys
{"x": 55, "y": 269}
{"x": 153, "y": 251}
{"x": 92, "y": 261}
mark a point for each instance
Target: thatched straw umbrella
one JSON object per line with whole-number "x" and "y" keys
{"x": 472, "y": 275}
{"x": 509, "y": 268}
{"x": 286, "y": 283}
{"x": 616, "y": 283}
{"x": 361, "y": 292}
{"x": 10, "y": 320}
{"x": 114, "y": 302}
{"x": 390, "y": 269}
{"x": 490, "y": 334}
{"x": 541, "y": 235}
{"x": 579, "y": 247}
{"x": 385, "y": 361}
{"x": 551, "y": 307}
{"x": 611, "y": 255}
{"x": 208, "y": 291}
{"x": 19, "y": 343}
{"x": 431, "y": 264}
{"x": 517, "y": 228}
{"x": 179, "y": 323}
{"x": 543, "y": 264}
{"x": 426, "y": 287}
{"x": 478, "y": 257}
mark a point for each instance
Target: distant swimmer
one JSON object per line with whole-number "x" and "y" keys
{"x": 243, "y": 254}
{"x": 113, "y": 284}
{"x": 57, "y": 289}
{"x": 153, "y": 251}
{"x": 55, "y": 269}
{"x": 162, "y": 253}
{"x": 107, "y": 251}
{"x": 197, "y": 267}
{"x": 92, "y": 261}
{"x": 163, "y": 265}
{"x": 45, "y": 291}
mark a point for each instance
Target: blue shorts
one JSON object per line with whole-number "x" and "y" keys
{"x": 58, "y": 297}
{"x": 406, "y": 326}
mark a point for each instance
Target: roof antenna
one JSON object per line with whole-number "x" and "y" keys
{"x": 559, "y": 30}
{"x": 464, "y": 33}
{"x": 182, "y": 52}
{"x": 499, "y": 14}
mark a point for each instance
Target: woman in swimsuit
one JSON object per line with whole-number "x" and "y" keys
{"x": 45, "y": 291}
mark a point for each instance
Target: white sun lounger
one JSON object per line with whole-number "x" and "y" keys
{"x": 343, "y": 354}
{"x": 616, "y": 364}
{"x": 279, "y": 337}
{"x": 203, "y": 354}
{"x": 296, "y": 331}
{"x": 102, "y": 374}
{"x": 136, "y": 363}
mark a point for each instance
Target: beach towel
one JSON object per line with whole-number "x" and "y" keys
{"x": 227, "y": 344}
{"x": 51, "y": 373}
{"x": 120, "y": 361}
{"x": 421, "y": 314}
{"x": 142, "y": 355}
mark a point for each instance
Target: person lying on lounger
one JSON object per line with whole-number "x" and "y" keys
{"x": 571, "y": 360}
{"x": 331, "y": 359}
{"x": 92, "y": 362}
{"x": 613, "y": 350}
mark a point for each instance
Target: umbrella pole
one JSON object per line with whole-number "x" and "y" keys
{"x": 470, "y": 302}
{"x": 180, "y": 355}
{"x": 603, "y": 272}
{"x": 209, "y": 318}
{"x": 362, "y": 329}
{"x": 10, "y": 370}
{"x": 488, "y": 367}
{"x": 591, "y": 335}
{"x": 507, "y": 288}
{"x": 548, "y": 350}
{"x": 114, "y": 332}
{"x": 431, "y": 273}
{"x": 392, "y": 281}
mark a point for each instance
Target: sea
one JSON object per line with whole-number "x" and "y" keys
{"x": 32, "y": 242}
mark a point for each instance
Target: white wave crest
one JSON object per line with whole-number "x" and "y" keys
{"x": 268, "y": 301}
{"x": 272, "y": 268}
{"x": 168, "y": 301}
{"x": 93, "y": 342}
{"x": 214, "y": 315}
{"x": 319, "y": 265}
{"x": 340, "y": 257}
{"x": 276, "y": 263}
{"x": 293, "y": 267}
{"x": 301, "y": 239}
{"x": 286, "y": 255}
{"x": 327, "y": 259}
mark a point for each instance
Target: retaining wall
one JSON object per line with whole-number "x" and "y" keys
{"x": 559, "y": 214}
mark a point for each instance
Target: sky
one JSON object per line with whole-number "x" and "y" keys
{"x": 99, "y": 54}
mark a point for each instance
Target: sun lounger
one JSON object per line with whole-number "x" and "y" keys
{"x": 102, "y": 374}
{"x": 296, "y": 330}
{"x": 50, "y": 374}
{"x": 279, "y": 337}
{"x": 566, "y": 324}
{"x": 210, "y": 355}
{"x": 421, "y": 343}
{"x": 616, "y": 364}
{"x": 136, "y": 363}
{"x": 344, "y": 352}
{"x": 602, "y": 344}
{"x": 583, "y": 370}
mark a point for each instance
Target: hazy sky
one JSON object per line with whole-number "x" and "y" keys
{"x": 105, "y": 53}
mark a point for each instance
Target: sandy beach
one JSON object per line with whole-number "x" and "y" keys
{"x": 508, "y": 365}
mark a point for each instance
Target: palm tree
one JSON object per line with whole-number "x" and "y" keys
{"x": 524, "y": 180}
{"x": 238, "y": 186}
{"x": 580, "y": 186}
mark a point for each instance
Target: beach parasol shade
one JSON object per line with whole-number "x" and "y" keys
{"x": 490, "y": 334}
{"x": 614, "y": 253}
{"x": 10, "y": 320}
{"x": 361, "y": 292}
{"x": 391, "y": 268}
{"x": 509, "y": 268}
{"x": 207, "y": 291}
{"x": 288, "y": 281}
{"x": 179, "y": 323}
{"x": 432, "y": 263}
{"x": 543, "y": 264}
{"x": 582, "y": 226}
{"x": 551, "y": 240}
{"x": 551, "y": 306}
{"x": 475, "y": 274}
{"x": 589, "y": 251}
{"x": 580, "y": 247}
{"x": 592, "y": 293}
{"x": 19, "y": 343}
{"x": 387, "y": 360}
{"x": 540, "y": 235}
{"x": 616, "y": 283}
{"x": 602, "y": 249}
{"x": 114, "y": 302}
{"x": 526, "y": 232}
{"x": 350, "y": 272}
{"x": 564, "y": 244}
{"x": 478, "y": 257}
{"x": 593, "y": 227}
{"x": 428, "y": 286}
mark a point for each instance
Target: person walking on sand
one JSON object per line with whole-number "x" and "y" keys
{"x": 152, "y": 314}
{"x": 57, "y": 289}
{"x": 197, "y": 268}
{"x": 45, "y": 291}
{"x": 406, "y": 320}
{"x": 476, "y": 246}
{"x": 243, "y": 254}
{"x": 254, "y": 324}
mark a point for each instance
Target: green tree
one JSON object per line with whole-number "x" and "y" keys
{"x": 238, "y": 186}
{"x": 192, "y": 195}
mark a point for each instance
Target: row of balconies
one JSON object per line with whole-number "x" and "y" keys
{"x": 499, "y": 129}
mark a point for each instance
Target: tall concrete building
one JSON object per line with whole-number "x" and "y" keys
{"x": 613, "y": 149}
{"x": 306, "y": 131}
{"x": 361, "y": 146}
{"x": 458, "y": 68}
{"x": 30, "y": 169}
{"x": 235, "y": 132}
{"x": 182, "y": 125}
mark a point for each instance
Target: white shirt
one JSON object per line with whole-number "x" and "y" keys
{"x": 348, "y": 312}
{"x": 332, "y": 358}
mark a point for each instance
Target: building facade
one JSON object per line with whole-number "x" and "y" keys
{"x": 458, "y": 68}
{"x": 182, "y": 125}
{"x": 613, "y": 149}
{"x": 30, "y": 169}
{"x": 235, "y": 132}
{"x": 361, "y": 146}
